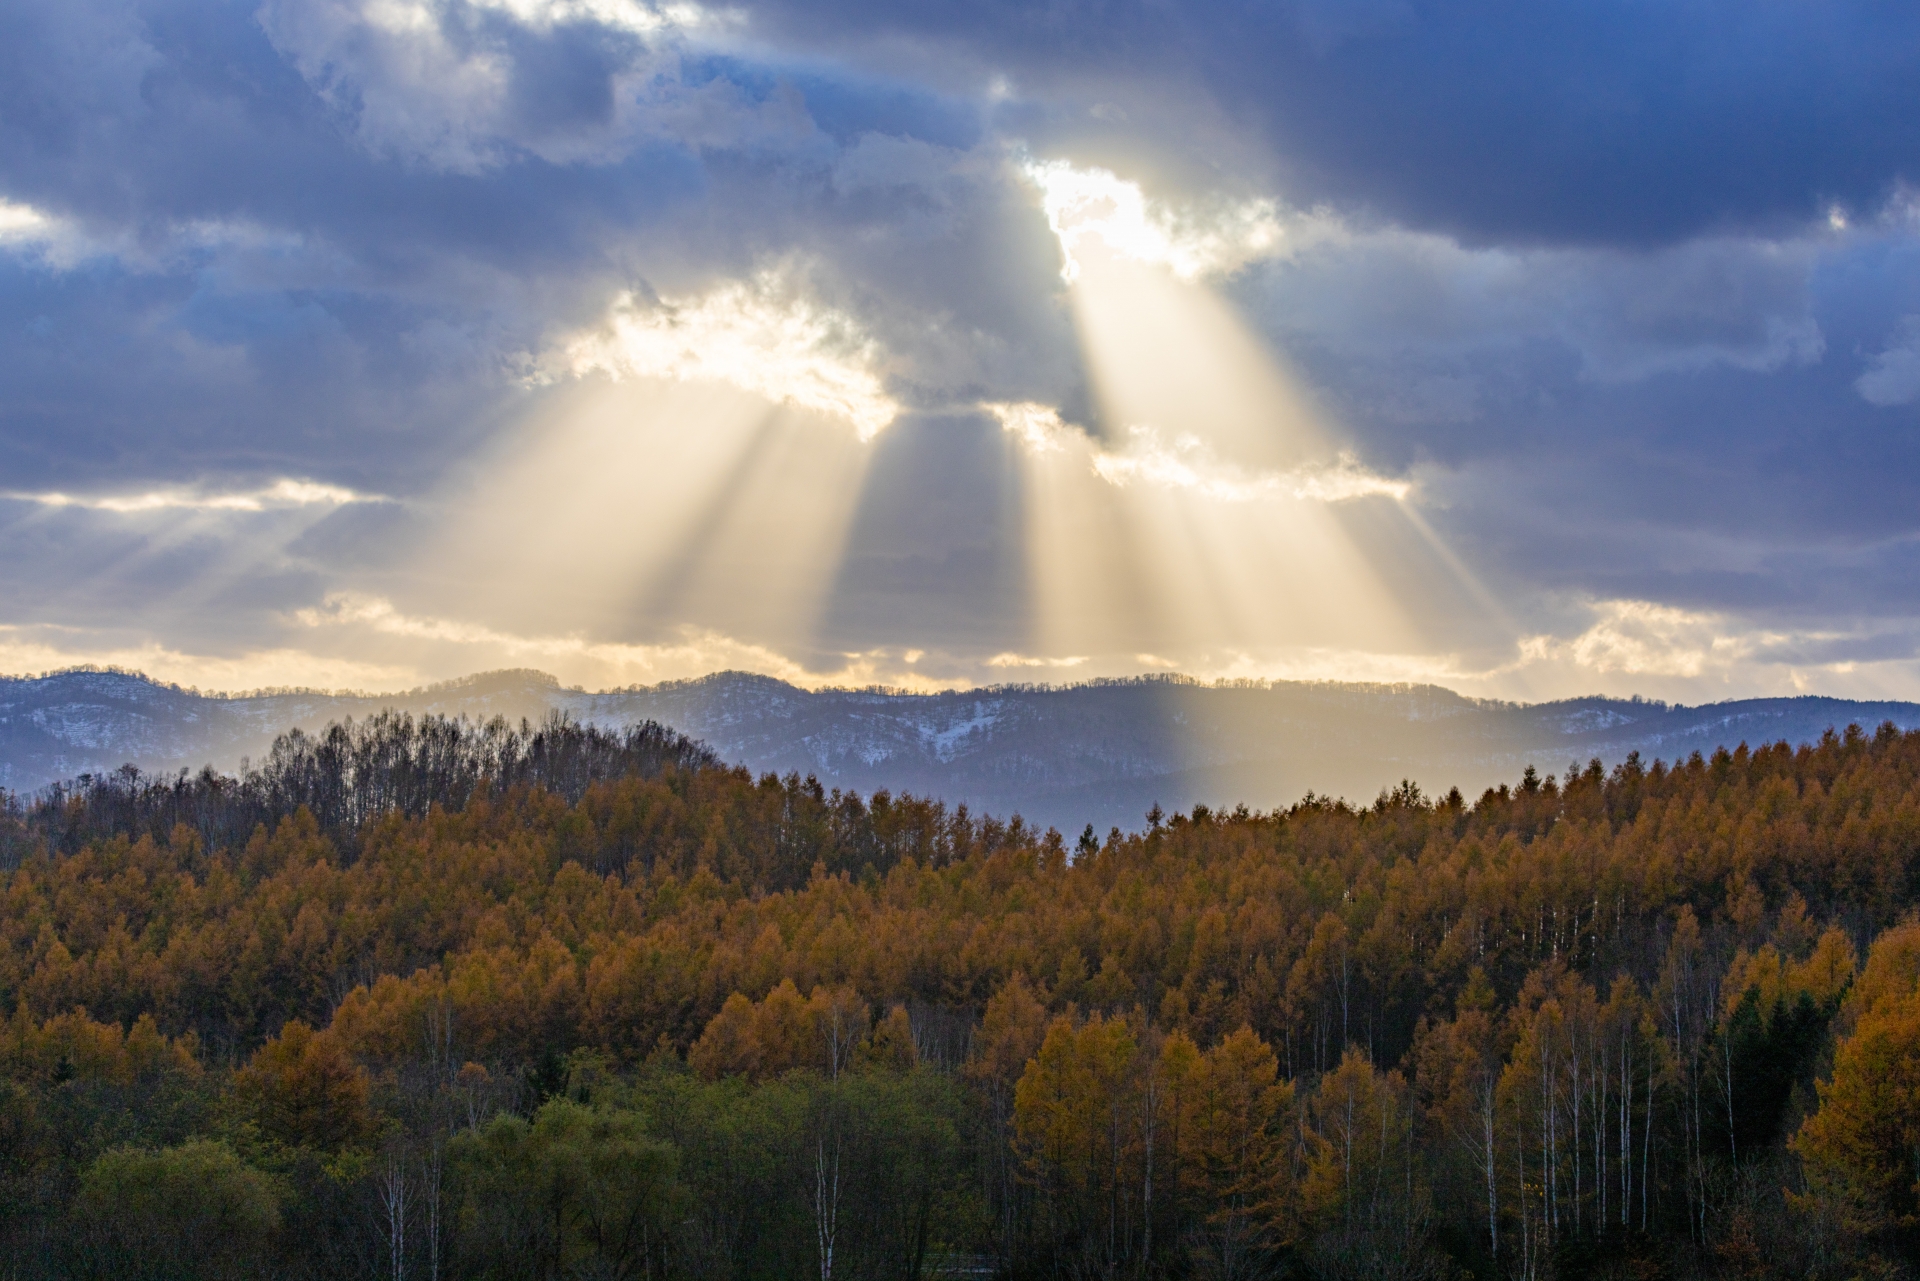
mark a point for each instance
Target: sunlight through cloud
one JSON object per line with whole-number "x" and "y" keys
{"x": 22, "y": 223}
{"x": 702, "y": 502}
{"x": 623, "y": 15}
{"x": 1085, "y": 205}
{"x": 1037, "y": 425}
{"x": 694, "y": 651}
{"x": 1011, "y": 659}
{"x": 1221, "y": 517}
{"x": 1187, "y": 463}
{"x": 27, "y": 650}
{"x": 1633, "y": 646}
{"x": 280, "y": 495}
{"x": 1641, "y": 637}
{"x": 758, "y": 335}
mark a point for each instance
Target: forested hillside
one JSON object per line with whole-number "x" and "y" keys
{"x": 1101, "y": 752}
{"x": 420, "y": 999}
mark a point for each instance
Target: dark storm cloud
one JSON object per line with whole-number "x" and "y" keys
{"x": 1690, "y": 424}
{"x": 1591, "y": 122}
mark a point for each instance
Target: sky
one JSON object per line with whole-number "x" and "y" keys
{"x": 1532, "y": 350}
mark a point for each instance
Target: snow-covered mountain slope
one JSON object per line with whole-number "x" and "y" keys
{"x": 1100, "y": 753}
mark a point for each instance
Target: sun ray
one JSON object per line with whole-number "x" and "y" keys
{"x": 627, "y": 508}
{"x": 1213, "y": 494}
{"x": 665, "y": 588}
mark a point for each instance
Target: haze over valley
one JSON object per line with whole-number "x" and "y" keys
{"x": 1062, "y": 757}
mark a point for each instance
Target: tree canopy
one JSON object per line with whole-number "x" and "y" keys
{"x": 438, "y": 997}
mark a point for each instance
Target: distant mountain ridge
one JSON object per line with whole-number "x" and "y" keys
{"x": 1100, "y": 752}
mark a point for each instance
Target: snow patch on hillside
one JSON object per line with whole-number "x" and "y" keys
{"x": 944, "y": 742}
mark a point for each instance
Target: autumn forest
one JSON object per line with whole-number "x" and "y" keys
{"x": 427, "y": 999}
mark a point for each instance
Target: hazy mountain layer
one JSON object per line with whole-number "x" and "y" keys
{"x": 1096, "y": 753}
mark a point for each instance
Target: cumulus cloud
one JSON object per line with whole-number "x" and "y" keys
{"x": 621, "y": 15}
{"x": 1009, "y": 658}
{"x": 1185, "y": 463}
{"x": 763, "y": 335}
{"x": 20, "y": 223}
{"x": 1038, "y": 426}
{"x": 1698, "y": 654}
{"x": 1640, "y": 637}
{"x": 43, "y": 238}
{"x": 1893, "y": 375}
{"x": 470, "y": 86}
{"x": 393, "y": 69}
{"x": 1194, "y": 238}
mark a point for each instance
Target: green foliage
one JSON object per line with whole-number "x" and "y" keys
{"x": 193, "y": 1211}
{"x": 578, "y": 1190}
{"x": 1763, "y": 1059}
{"x": 877, "y": 1158}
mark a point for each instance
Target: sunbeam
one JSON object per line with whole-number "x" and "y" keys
{"x": 1196, "y": 522}
{"x": 203, "y": 546}
{"x": 628, "y": 509}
